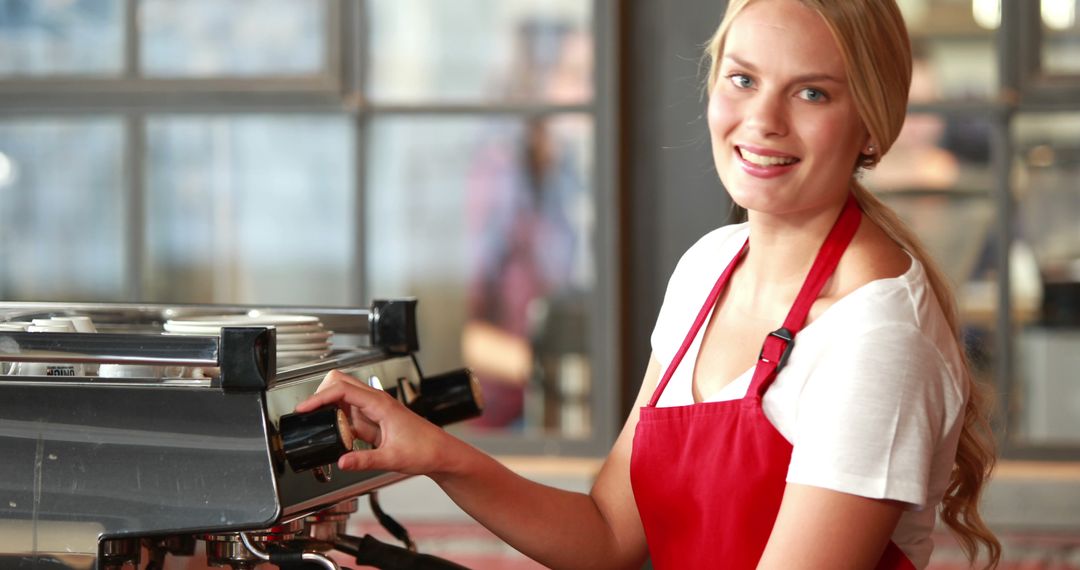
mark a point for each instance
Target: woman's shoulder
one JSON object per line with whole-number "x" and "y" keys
{"x": 872, "y": 256}
{"x": 900, "y": 302}
{"x": 721, "y": 243}
{"x": 703, "y": 261}
{"x": 896, "y": 315}
{"x": 689, "y": 283}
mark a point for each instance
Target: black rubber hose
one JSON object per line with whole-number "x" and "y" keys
{"x": 372, "y": 552}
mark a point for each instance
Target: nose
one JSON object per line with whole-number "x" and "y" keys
{"x": 767, "y": 114}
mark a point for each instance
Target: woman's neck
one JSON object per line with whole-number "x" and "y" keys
{"x": 782, "y": 249}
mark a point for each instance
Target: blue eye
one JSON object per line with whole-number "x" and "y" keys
{"x": 813, "y": 95}
{"x": 741, "y": 81}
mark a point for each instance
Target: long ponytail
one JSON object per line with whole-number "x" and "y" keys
{"x": 975, "y": 453}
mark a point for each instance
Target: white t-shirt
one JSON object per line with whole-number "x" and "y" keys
{"x": 871, "y": 398}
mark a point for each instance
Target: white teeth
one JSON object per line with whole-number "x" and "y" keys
{"x": 761, "y": 160}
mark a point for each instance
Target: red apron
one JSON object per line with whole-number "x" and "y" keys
{"x": 708, "y": 478}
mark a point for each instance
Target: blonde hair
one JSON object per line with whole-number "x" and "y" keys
{"x": 874, "y": 43}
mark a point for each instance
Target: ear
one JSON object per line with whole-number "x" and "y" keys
{"x": 869, "y": 153}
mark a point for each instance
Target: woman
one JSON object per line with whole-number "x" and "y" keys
{"x": 832, "y": 443}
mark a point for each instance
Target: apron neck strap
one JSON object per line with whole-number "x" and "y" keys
{"x": 710, "y": 301}
{"x": 778, "y": 344}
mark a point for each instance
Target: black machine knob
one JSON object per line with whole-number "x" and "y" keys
{"x": 393, "y": 325}
{"x": 442, "y": 399}
{"x": 315, "y": 438}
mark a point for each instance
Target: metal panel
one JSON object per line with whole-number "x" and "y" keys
{"x": 133, "y": 461}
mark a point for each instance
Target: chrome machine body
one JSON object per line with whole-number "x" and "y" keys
{"x": 93, "y": 468}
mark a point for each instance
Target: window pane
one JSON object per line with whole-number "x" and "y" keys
{"x": 48, "y": 38}
{"x": 489, "y": 223}
{"x": 1046, "y": 278}
{"x": 1061, "y": 37}
{"x": 209, "y": 38}
{"x": 481, "y": 50}
{"x": 255, "y": 209}
{"x": 61, "y": 228}
{"x": 938, "y": 178}
{"x": 953, "y": 48}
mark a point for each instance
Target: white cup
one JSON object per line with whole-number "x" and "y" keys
{"x": 49, "y": 325}
{"x": 82, "y": 324}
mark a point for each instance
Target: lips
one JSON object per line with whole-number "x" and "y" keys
{"x": 761, "y": 157}
{"x": 764, "y": 163}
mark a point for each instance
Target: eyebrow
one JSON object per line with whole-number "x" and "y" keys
{"x": 807, "y": 78}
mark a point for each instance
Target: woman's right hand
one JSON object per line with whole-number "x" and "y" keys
{"x": 401, "y": 441}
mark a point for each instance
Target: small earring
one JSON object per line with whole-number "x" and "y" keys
{"x": 871, "y": 149}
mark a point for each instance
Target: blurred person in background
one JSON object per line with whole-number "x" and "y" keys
{"x": 524, "y": 239}
{"x": 523, "y": 244}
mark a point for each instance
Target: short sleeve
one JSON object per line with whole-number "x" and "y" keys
{"x": 873, "y": 413}
{"x": 689, "y": 285}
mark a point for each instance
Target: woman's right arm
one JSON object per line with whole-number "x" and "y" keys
{"x": 560, "y": 529}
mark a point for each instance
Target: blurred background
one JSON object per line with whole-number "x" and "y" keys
{"x": 531, "y": 171}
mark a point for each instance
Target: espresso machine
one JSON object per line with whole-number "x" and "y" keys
{"x": 199, "y": 447}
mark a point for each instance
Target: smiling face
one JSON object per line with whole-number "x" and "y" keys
{"x": 785, "y": 131}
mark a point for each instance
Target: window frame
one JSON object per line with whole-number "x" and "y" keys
{"x": 1037, "y": 89}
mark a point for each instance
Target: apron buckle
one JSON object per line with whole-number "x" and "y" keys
{"x": 788, "y": 338}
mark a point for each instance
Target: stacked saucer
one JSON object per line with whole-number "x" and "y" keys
{"x": 299, "y": 337}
